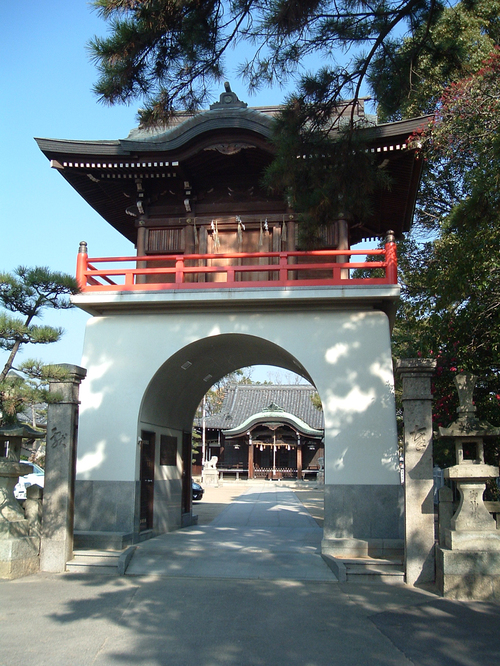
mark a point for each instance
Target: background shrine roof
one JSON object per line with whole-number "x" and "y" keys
{"x": 243, "y": 401}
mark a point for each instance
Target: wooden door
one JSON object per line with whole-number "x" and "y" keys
{"x": 147, "y": 480}
{"x": 186, "y": 472}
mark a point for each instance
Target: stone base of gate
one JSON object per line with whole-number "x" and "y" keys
{"x": 363, "y": 521}
{"x": 388, "y": 549}
{"x": 19, "y": 557}
{"x": 473, "y": 575}
{"x": 95, "y": 540}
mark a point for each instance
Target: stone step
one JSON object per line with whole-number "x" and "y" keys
{"x": 371, "y": 570}
{"x": 374, "y": 564}
{"x": 94, "y": 561}
{"x": 366, "y": 569}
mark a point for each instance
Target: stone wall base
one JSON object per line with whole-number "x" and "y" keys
{"x": 356, "y": 515}
{"x": 473, "y": 575}
{"x": 94, "y": 540}
{"x": 351, "y": 548}
{"x": 105, "y": 506}
{"x": 19, "y": 557}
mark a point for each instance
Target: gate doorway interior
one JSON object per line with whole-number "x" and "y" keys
{"x": 147, "y": 480}
{"x": 168, "y": 409}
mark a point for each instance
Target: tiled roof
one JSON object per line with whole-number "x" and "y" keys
{"x": 242, "y": 401}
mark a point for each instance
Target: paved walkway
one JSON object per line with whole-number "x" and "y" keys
{"x": 266, "y": 533}
{"x": 191, "y": 612}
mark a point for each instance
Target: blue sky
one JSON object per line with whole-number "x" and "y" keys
{"x": 47, "y": 80}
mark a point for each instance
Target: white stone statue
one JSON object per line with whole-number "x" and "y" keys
{"x": 212, "y": 463}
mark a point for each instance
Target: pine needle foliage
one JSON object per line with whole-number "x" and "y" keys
{"x": 171, "y": 53}
{"x": 24, "y": 296}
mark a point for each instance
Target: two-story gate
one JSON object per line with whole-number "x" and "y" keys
{"x": 219, "y": 282}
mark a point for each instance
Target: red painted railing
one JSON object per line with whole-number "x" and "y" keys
{"x": 201, "y": 271}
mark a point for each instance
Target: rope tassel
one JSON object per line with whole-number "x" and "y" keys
{"x": 215, "y": 229}
{"x": 241, "y": 229}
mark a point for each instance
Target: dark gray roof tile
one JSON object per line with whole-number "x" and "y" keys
{"x": 242, "y": 401}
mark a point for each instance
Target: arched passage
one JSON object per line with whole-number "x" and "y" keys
{"x": 179, "y": 385}
{"x": 167, "y": 412}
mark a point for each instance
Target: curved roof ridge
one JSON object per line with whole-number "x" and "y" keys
{"x": 270, "y": 416}
{"x": 205, "y": 121}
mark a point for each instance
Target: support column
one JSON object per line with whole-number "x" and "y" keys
{"x": 299, "y": 459}
{"x": 418, "y": 488}
{"x": 141, "y": 249}
{"x": 250, "y": 458}
{"x": 60, "y": 468}
{"x": 343, "y": 235}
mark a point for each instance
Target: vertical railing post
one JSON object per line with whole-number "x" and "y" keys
{"x": 391, "y": 258}
{"x": 283, "y": 267}
{"x": 179, "y": 269}
{"x": 337, "y": 273}
{"x": 343, "y": 244}
{"x": 81, "y": 266}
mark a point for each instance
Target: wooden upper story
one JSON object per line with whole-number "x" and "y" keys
{"x": 190, "y": 199}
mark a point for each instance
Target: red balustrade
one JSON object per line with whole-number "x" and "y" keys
{"x": 261, "y": 269}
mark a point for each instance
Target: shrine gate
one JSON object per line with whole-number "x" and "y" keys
{"x": 218, "y": 283}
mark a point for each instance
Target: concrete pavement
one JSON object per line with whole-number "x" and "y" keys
{"x": 196, "y": 619}
{"x": 265, "y": 533}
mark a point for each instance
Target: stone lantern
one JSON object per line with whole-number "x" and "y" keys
{"x": 18, "y": 550}
{"x": 468, "y": 563}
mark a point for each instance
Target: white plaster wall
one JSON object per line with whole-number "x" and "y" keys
{"x": 346, "y": 353}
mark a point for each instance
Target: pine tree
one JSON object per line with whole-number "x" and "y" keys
{"x": 27, "y": 293}
{"x": 170, "y": 54}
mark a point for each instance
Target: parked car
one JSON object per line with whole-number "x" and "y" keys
{"x": 197, "y": 491}
{"x": 35, "y": 477}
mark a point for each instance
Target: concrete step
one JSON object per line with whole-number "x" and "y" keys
{"x": 371, "y": 570}
{"x": 102, "y": 540}
{"x": 366, "y": 570}
{"x": 95, "y": 561}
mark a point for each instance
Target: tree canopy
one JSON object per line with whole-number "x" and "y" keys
{"x": 451, "y": 295}
{"x": 170, "y": 54}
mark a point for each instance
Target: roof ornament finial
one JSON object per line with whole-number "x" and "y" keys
{"x": 228, "y": 99}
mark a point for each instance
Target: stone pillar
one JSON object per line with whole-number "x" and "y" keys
{"x": 418, "y": 488}
{"x": 60, "y": 468}
{"x": 445, "y": 513}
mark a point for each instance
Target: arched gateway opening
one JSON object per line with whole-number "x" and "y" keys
{"x": 167, "y": 412}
